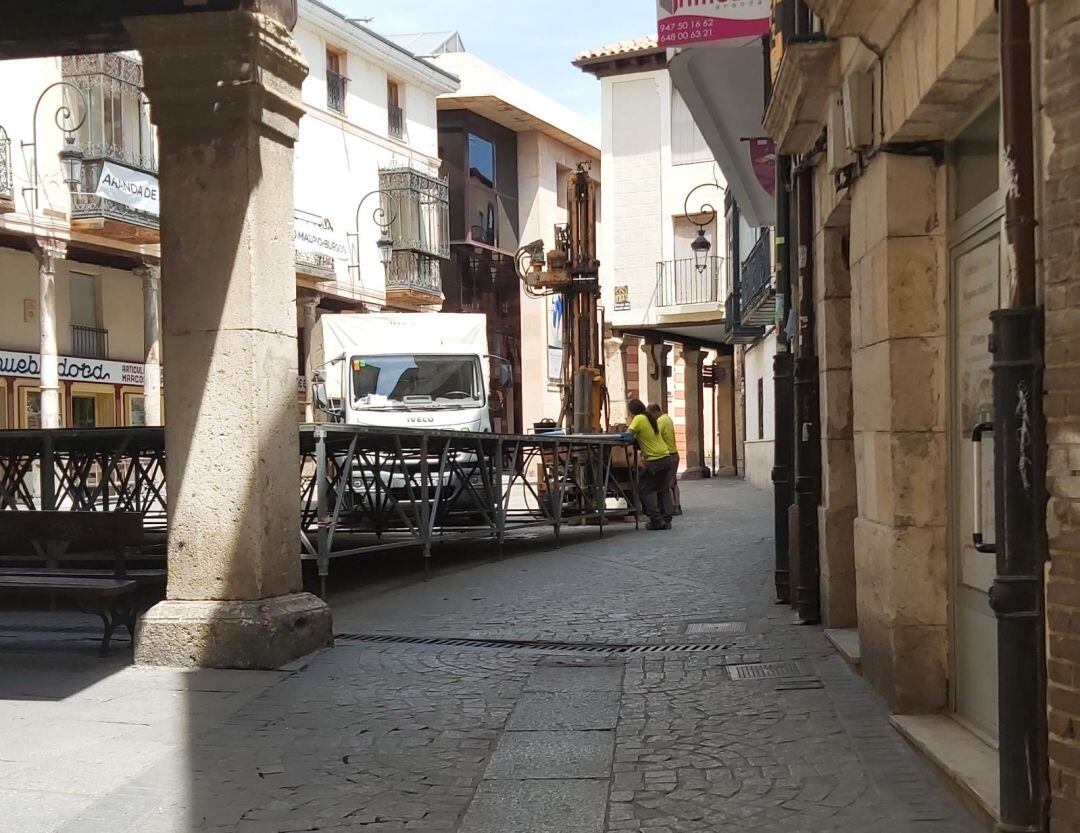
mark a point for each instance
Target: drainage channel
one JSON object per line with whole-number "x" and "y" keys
{"x": 530, "y": 644}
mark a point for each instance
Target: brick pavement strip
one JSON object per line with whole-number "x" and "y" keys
{"x": 455, "y": 739}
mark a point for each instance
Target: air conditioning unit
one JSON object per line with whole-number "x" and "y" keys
{"x": 858, "y": 95}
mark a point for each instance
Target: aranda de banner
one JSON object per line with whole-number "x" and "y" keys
{"x": 135, "y": 189}
{"x": 690, "y": 22}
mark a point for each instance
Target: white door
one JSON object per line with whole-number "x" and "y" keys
{"x": 975, "y": 266}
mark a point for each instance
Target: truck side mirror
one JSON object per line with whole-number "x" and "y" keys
{"x": 318, "y": 396}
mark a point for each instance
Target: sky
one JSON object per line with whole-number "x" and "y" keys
{"x": 531, "y": 40}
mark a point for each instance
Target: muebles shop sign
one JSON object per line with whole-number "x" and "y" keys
{"x": 135, "y": 189}
{"x": 73, "y": 369}
{"x": 691, "y": 22}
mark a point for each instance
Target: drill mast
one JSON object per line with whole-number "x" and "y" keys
{"x": 572, "y": 271}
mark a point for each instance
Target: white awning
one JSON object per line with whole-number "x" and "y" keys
{"x": 723, "y": 85}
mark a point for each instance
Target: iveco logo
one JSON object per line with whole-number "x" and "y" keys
{"x": 420, "y": 419}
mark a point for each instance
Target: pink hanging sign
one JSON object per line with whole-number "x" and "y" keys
{"x": 690, "y": 22}
{"x": 763, "y": 161}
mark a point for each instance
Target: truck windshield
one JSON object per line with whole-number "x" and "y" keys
{"x": 420, "y": 381}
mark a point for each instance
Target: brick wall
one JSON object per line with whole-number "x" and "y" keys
{"x": 1060, "y": 230}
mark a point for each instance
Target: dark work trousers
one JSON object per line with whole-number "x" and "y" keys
{"x": 654, "y": 486}
{"x": 673, "y": 483}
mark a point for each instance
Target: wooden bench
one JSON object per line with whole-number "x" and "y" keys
{"x": 55, "y": 537}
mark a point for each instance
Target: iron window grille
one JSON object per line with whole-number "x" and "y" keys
{"x": 335, "y": 91}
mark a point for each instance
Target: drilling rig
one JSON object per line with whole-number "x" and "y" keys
{"x": 571, "y": 270}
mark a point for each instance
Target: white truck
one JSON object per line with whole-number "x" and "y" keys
{"x": 403, "y": 370}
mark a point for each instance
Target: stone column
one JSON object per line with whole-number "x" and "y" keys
{"x": 48, "y": 251}
{"x": 656, "y": 383}
{"x": 615, "y": 378}
{"x": 151, "y": 277}
{"x": 310, "y": 306}
{"x": 695, "y": 467}
{"x": 224, "y": 93}
{"x": 899, "y": 386}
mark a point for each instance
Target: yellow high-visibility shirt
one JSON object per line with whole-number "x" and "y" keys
{"x": 667, "y": 432}
{"x": 649, "y": 441}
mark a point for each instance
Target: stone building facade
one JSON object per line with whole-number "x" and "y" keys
{"x": 892, "y": 116}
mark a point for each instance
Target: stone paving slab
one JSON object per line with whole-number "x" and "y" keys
{"x": 570, "y": 678}
{"x": 562, "y": 806}
{"x": 538, "y": 711}
{"x": 573, "y": 754}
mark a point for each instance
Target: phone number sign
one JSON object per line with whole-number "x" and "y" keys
{"x": 690, "y": 22}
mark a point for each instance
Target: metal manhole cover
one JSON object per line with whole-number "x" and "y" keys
{"x": 703, "y": 628}
{"x": 764, "y": 670}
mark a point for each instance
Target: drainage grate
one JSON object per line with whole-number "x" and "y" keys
{"x": 763, "y": 670}
{"x": 702, "y": 628}
{"x": 527, "y": 644}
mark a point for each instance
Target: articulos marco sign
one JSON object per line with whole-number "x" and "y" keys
{"x": 73, "y": 369}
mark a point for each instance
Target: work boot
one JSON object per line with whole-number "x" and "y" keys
{"x": 677, "y": 510}
{"x": 654, "y": 525}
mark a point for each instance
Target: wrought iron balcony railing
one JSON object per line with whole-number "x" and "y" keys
{"x": 86, "y": 204}
{"x": 89, "y": 342}
{"x": 395, "y": 118}
{"x": 421, "y": 211}
{"x": 335, "y": 91}
{"x": 680, "y": 282}
{"x": 7, "y": 192}
{"x": 735, "y": 331}
{"x": 415, "y": 275}
{"x": 756, "y": 281}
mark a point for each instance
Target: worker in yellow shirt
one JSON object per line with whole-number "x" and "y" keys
{"x": 667, "y": 434}
{"x": 659, "y": 463}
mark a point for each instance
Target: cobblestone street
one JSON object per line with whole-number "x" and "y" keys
{"x": 488, "y": 735}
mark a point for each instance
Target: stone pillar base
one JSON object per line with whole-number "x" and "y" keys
{"x": 699, "y": 473}
{"x": 260, "y": 634}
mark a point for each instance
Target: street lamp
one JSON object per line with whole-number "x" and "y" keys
{"x": 385, "y": 243}
{"x": 71, "y": 155}
{"x": 701, "y": 245}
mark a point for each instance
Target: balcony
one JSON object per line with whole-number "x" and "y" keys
{"x": 413, "y": 281}
{"x": 89, "y": 342}
{"x": 735, "y": 332}
{"x": 316, "y": 265}
{"x": 757, "y": 289}
{"x": 679, "y": 282}
{"x": 7, "y": 192}
{"x": 395, "y": 118}
{"x": 420, "y": 211}
{"x": 116, "y": 218}
{"x": 335, "y": 91}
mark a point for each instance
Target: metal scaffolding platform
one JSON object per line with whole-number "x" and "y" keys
{"x": 362, "y": 489}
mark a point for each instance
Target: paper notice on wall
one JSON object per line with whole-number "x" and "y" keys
{"x": 127, "y": 186}
{"x": 691, "y": 22}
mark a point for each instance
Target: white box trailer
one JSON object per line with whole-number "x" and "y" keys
{"x": 407, "y": 370}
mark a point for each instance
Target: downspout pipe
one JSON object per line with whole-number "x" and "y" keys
{"x": 807, "y": 415}
{"x": 783, "y": 393}
{"x": 1017, "y": 595}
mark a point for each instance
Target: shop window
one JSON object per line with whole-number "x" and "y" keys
{"x": 30, "y": 408}
{"x": 135, "y": 405}
{"x": 83, "y": 412}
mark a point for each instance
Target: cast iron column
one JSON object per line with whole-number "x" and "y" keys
{"x": 783, "y": 405}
